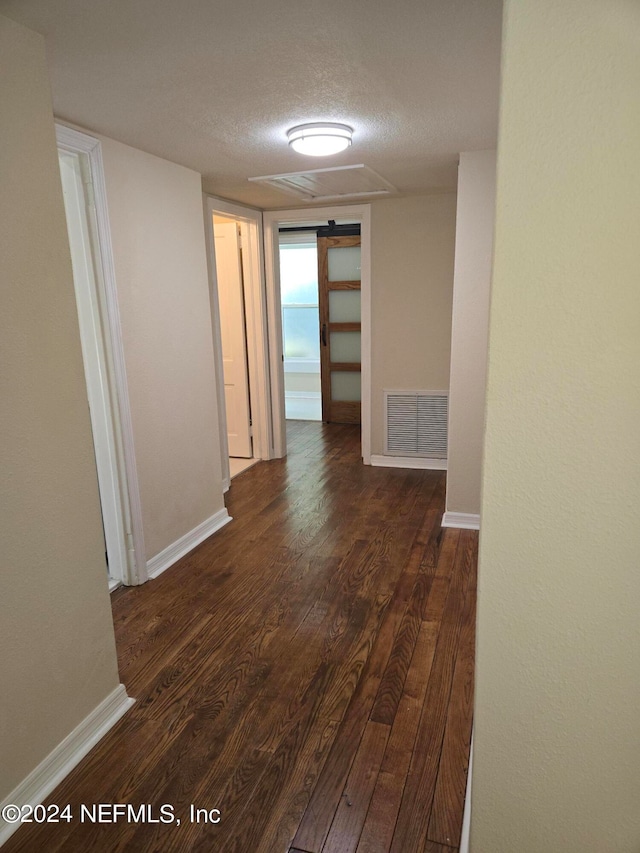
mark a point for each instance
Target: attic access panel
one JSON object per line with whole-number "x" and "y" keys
{"x": 330, "y": 184}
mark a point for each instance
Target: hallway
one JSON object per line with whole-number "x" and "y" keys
{"x": 307, "y": 671}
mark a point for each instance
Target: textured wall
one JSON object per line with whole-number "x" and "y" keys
{"x": 557, "y": 732}
{"x": 412, "y": 248}
{"x": 470, "y": 328}
{"x": 157, "y": 227}
{"x": 58, "y": 654}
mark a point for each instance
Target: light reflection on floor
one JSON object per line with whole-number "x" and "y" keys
{"x": 237, "y": 465}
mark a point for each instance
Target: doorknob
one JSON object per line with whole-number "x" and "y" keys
{"x": 323, "y": 334}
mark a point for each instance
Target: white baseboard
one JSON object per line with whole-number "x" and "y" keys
{"x": 162, "y": 561}
{"x": 417, "y": 462}
{"x": 466, "y": 817}
{"x": 60, "y": 762}
{"x": 464, "y": 520}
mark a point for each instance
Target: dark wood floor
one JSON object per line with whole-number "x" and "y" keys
{"x": 308, "y": 671}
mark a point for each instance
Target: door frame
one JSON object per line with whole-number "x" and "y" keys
{"x": 272, "y": 220}
{"x": 251, "y": 230}
{"x": 99, "y": 319}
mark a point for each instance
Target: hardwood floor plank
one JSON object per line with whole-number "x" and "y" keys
{"x": 439, "y": 592}
{"x": 392, "y": 683}
{"x": 294, "y": 795}
{"x": 117, "y": 772}
{"x": 317, "y": 819}
{"x": 335, "y": 637}
{"x": 379, "y": 825}
{"x": 240, "y": 764}
{"x": 339, "y": 637}
{"x": 317, "y": 645}
{"x": 432, "y": 847}
{"x": 305, "y": 723}
{"x": 354, "y": 804}
{"x": 381, "y": 819}
{"x": 240, "y": 724}
{"x": 433, "y": 519}
{"x": 130, "y": 743}
{"x": 415, "y": 809}
{"x": 445, "y": 826}
{"x": 318, "y": 816}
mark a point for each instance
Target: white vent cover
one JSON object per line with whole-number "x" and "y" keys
{"x": 416, "y": 423}
{"x": 330, "y": 184}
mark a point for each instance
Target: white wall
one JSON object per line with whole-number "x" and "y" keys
{"x": 557, "y": 715}
{"x": 412, "y": 248}
{"x": 58, "y": 659}
{"x": 301, "y": 382}
{"x": 470, "y": 328}
{"x": 155, "y": 211}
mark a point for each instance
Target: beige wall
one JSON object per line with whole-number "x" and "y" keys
{"x": 470, "y": 328}
{"x": 56, "y": 634}
{"x": 557, "y": 722}
{"x": 412, "y": 248}
{"x": 157, "y": 228}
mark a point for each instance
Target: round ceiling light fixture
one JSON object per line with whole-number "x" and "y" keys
{"x": 320, "y": 138}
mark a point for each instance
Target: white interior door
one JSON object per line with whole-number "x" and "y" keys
{"x": 234, "y": 341}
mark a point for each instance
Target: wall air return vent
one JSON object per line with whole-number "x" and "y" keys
{"x": 335, "y": 183}
{"x": 416, "y": 423}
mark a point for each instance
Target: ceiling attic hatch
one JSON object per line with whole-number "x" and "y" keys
{"x": 330, "y": 184}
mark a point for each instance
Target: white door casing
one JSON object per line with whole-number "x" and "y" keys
{"x": 96, "y": 299}
{"x": 233, "y": 337}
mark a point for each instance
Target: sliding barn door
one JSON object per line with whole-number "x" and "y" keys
{"x": 339, "y": 301}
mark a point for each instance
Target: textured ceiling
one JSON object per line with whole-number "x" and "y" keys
{"x": 215, "y": 84}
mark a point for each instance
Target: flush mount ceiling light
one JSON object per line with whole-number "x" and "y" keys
{"x": 320, "y": 139}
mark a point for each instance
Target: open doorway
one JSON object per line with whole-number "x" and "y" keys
{"x": 320, "y": 289}
{"x": 349, "y": 332}
{"x": 227, "y": 235}
{"x": 238, "y": 308}
{"x": 298, "y": 252}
